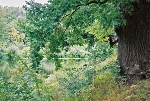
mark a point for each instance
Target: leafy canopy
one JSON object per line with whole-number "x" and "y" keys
{"x": 61, "y": 23}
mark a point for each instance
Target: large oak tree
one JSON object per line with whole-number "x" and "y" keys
{"x": 60, "y": 23}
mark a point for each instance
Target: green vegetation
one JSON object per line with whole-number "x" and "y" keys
{"x": 60, "y": 51}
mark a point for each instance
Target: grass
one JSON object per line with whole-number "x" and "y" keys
{"x": 107, "y": 89}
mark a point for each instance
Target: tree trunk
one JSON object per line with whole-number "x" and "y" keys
{"x": 134, "y": 43}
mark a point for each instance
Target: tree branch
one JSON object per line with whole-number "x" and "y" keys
{"x": 93, "y": 2}
{"x": 80, "y": 5}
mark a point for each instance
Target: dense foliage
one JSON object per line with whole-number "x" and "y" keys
{"x": 73, "y": 34}
{"x": 62, "y": 26}
{"x": 61, "y": 23}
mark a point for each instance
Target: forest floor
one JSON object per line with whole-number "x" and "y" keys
{"x": 114, "y": 92}
{"x": 108, "y": 90}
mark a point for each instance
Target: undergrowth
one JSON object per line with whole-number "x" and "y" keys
{"x": 106, "y": 85}
{"x": 85, "y": 83}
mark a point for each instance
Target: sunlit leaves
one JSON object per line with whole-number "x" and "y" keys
{"x": 14, "y": 35}
{"x": 2, "y": 22}
{"x": 98, "y": 31}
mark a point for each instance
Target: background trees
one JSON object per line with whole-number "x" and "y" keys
{"x": 9, "y": 18}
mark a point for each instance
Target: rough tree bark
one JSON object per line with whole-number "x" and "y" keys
{"x": 134, "y": 43}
